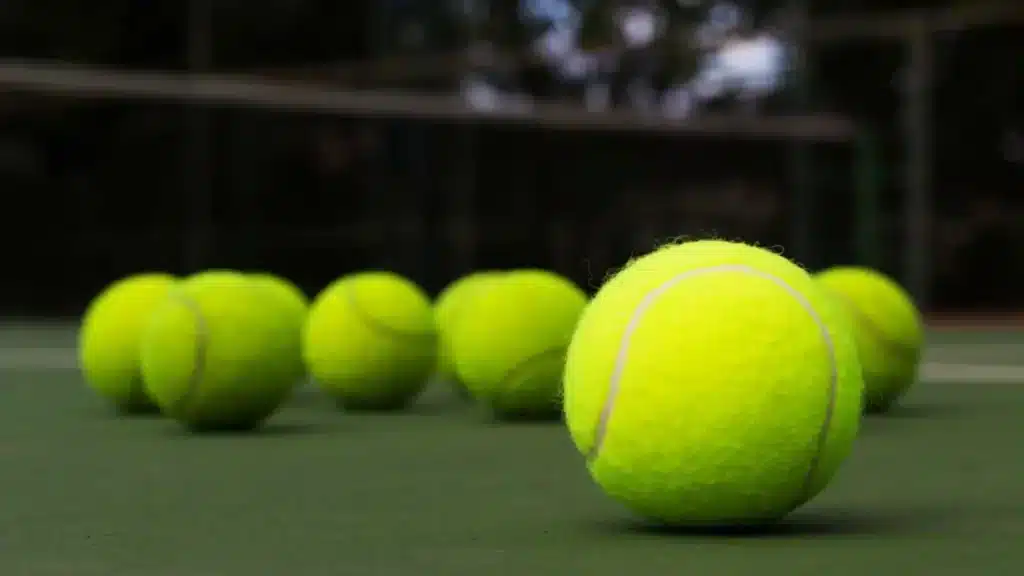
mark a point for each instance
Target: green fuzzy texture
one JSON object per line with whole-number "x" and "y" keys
{"x": 110, "y": 339}
{"x": 370, "y": 341}
{"x": 290, "y": 296}
{"x": 509, "y": 345}
{"x": 712, "y": 383}
{"x": 290, "y": 306}
{"x": 887, "y": 327}
{"x": 216, "y": 356}
{"x": 212, "y": 276}
{"x": 448, "y": 310}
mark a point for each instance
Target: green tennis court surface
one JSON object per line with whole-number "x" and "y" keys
{"x": 934, "y": 488}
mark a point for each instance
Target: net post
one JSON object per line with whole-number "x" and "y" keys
{"x": 197, "y": 172}
{"x": 382, "y": 176}
{"x": 799, "y": 155}
{"x": 918, "y": 137}
{"x": 867, "y": 197}
{"x": 460, "y": 222}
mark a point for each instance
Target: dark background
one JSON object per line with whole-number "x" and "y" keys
{"x": 99, "y": 190}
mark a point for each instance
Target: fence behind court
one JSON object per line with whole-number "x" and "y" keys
{"x": 300, "y": 172}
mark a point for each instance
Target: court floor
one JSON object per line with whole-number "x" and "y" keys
{"x": 440, "y": 490}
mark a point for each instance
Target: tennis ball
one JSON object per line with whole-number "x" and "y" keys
{"x": 510, "y": 340}
{"x": 712, "y": 383}
{"x": 110, "y": 336}
{"x": 214, "y": 276}
{"x": 214, "y": 356}
{"x": 290, "y": 306}
{"x": 370, "y": 341}
{"x": 887, "y": 328}
{"x": 447, "y": 308}
{"x": 290, "y": 296}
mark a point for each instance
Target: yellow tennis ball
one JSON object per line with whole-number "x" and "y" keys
{"x": 211, "y": 276}
{"x": 288, "y": 298}
{"x": 291, "y": 305}
{"x": 370, "y": 340}
{"x": 510, "y": 340}
{"x": 215, "y": 356}
{"x": 110, "y": 336}
{"x": 712, "y": 384}
{"x": 887, "y": 327}
{"x": 290, "y": 295}
{"x": 447, "y": 310}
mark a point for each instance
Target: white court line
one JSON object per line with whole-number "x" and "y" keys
{"x": 62, "y": 360}
{"x": 38, "y": 359}
{"x": 942, "y": 372}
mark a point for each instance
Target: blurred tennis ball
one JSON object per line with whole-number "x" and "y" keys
{"x": 290, "y": 306}
{"x": 887, "y": 327}
{"x": 510, "y": 340}
{"x": 711, "y": 384}
{"x": 370, "y": 340}
{"x": 213, "y": 276}
{"x": 110, "y": 338}
{"x": 215, "y": 356}
{"x": 290, "y": 296}
{"x": 447, "y": 310}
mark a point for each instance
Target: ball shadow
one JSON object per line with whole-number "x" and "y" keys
{"x": 526, "y": 419}
{"x": 306, "y": 397}
{"x": 105, "y": 414}
{"x": 436, "y": 401}
{"x": 291, "y": 429}
{"x": 809, "y": 524}
{"x": 270, "y": 429}
{"x": 919, "y": 412}
{"x": 398, "y": 408}
{"x": 137, "y": 414}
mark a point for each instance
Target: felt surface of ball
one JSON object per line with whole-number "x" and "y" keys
{"x": 509, "y": 345}
{"x": 214, "y": 358}
{"x": 289, "y": 305}
{"x": 110, "y": 338}
{"x": 370, "y": 341}
{"x": 291, "y": 296}
{"x": 712, "y": 384}
{"x": 887, "y": 327}
{"x": 213, "y": 276}
{"x": 447, "y": 311}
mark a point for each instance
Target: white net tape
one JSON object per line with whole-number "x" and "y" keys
{"x": 34, "y": 77}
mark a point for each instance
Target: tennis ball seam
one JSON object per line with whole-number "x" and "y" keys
{"x": 137, "y": 388}
{"x": 896, "y": 348}
{"x": 378, "y": 326}
{"x": 199, "y": 353}
{"x": 521, "y": 366}
{"x": 622, "y": 356}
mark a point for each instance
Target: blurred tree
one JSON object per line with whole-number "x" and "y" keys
{"x": 671, "y": 52}
{"x": 876, "y": 6}
{"x": 499, "y": 24}
{"x": 679, "y": 47}
{"x": 598, "y": 30}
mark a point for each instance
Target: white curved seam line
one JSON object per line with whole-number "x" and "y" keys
{"x": 378, "y": 326}
{"x": 833, "y": 385}
{"x": 199, "y": 354}
{"x": 510, "y": 377}
{"x": 621, "y": 358}
{"x": 904, "y": 352}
